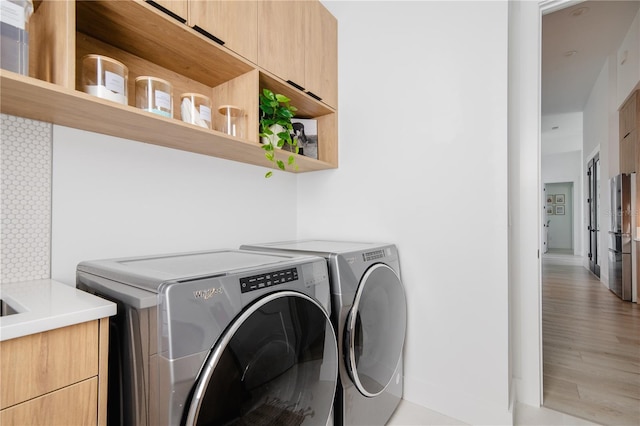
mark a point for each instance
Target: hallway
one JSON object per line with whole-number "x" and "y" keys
{"x": 591, "y": 346}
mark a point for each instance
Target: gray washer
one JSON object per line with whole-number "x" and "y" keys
{"x": 217, "y": 337}
{"x": 369, "y": 313}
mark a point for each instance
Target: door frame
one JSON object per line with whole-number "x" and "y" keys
{"x": 525, "y": 187}
{"x": 594, "y": 268}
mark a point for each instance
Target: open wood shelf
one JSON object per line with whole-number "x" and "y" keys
{"x": 31, "y": 98}
{"x": 150, "y": 42}
{"x": 144, "y": 31}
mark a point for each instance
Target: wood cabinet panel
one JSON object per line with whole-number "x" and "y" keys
{"x": 103, "y": 371}
{"x": 629, "y": 115}
{"x": 36, "y": 364}
{"x": 73, "y": 405}
{"x": 178, "y": 7}
{"x": 321, "y": 53}
{"x": 240, "y": 92}
{"x": 629, "y": 123}
{"x": 52, "y": 42}
{"x": 628, "y": 152}
{"x": 298, "y": 42}
{"x": 234, "y": 22}
{"x": 281, "y": 41}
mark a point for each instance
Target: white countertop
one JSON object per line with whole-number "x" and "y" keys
{"x": 44, "y": 305}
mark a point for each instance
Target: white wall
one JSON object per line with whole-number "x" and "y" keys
{"x": 568, "y": 167}
{"x": 601, "y": 135}
{"x": 113, "y": 198}
{"x": 423, "y": 164}
{"x": 628, "y": 62}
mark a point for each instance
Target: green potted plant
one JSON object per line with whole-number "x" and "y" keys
{"x": 276, "y": 128}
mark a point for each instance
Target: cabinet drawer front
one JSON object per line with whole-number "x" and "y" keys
{"x": 73, "y": 405}
{"x": 33, "y": 365}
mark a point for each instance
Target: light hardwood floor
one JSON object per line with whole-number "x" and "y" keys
{"x": 591, "y": 347}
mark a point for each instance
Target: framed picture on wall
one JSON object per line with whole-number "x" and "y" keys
{"x": 550, "y": 198}
{"x": 549, "y": 209}
{"x": 559, "y": 210}
{"x": 560, "y": 199}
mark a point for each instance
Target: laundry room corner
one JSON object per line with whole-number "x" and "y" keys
{"x": 429, "y": 174}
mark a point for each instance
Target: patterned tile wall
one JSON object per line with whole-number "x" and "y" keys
{"x": 25, "y": 193}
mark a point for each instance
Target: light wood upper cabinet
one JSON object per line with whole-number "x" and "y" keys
{"x": 233, "y": 22}
{"x": 177, "y": 7}
{"x": 628, "y": 152}
{"x": 298, "y": 42}
{"x": 629, "y": 115}
{"x": 321, "y": 53}
{"x": 629, "y": 123}
{"x": 281, "y": 41}
{"x": 151, "y": 42}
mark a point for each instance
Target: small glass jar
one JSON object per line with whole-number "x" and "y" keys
{"x": 154, "y": 95}
{"x": 232, "y": 120}
{"x": 195, "y": 109}
{"x": 105, "y": 78}
{"x": 14, "y": 37}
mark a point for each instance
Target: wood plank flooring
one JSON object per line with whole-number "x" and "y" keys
{"x": 591, "y": 348}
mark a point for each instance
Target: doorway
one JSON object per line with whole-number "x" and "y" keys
{"x": 559, "y": 217}
{"x": 593, "y": 221}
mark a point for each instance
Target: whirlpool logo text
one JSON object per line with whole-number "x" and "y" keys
{"x": 207, "y": 294}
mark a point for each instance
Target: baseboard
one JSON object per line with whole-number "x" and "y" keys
{"x": 465, "y": 407}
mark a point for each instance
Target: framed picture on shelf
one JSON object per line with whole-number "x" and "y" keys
{"x": 559, "y": 210}
{"x": 560, "y": 199}
{"x": 550, "y": 198}
{"x": 306, "y": 130}
{"x": 549, "y": 209}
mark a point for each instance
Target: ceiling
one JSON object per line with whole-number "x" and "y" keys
{"x": 576, "y": 42}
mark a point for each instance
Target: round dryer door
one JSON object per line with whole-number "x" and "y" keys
{"x": 276, "y": 364}
{"x": 375, "y": 330}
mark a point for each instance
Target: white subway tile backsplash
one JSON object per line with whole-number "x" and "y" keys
{"x": 25, "y": 193}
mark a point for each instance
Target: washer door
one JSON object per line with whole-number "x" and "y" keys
{"x": 276, "y": 364}
{"x": 375, "y": 330}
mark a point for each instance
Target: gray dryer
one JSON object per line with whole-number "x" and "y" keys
{"x": 369, "y": 313}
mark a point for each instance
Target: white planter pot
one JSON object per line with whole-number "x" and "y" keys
{"x": 276, "y": 128}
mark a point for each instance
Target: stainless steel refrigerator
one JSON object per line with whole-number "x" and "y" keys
{"x": 620, "y": 236}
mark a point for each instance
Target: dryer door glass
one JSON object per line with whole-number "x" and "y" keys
{"x": 277, "y": 364}
{"x": 375, "y": 330}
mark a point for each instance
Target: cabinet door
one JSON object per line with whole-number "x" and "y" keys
{"x": 72, "y": 405}
{"x": 628, "y": 153}
{"x": 178, "y": 7}
{"x": 628, "y": 116}
{"x": 39, "y": 363}
{"x": 234, "y": 22}
{"x": 636, "y": 144}
{"x": 634, "y": 151}
{"x": 281, "y": 39}
{"x": 321, "y": 53}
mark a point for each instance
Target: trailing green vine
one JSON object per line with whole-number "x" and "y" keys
{"x": 275, "y": 110}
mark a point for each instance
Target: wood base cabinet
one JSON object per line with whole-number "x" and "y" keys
{"x": 58, "y": 377}
{"x": 151, "y": 42}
